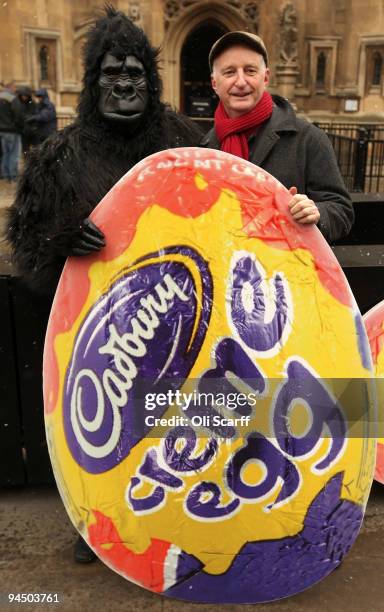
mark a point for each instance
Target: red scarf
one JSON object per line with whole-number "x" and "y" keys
{"x": 233, "y": 133}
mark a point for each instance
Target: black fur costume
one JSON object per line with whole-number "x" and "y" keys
{"x": 68, "y": 175}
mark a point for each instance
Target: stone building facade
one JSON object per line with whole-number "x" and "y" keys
{"x": 326, "y": 56}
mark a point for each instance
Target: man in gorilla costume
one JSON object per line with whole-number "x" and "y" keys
{"x": 120, "y": 121}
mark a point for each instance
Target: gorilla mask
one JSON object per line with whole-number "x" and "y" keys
{"x": 123, "y": 89}
{"x": 121, "y": 81}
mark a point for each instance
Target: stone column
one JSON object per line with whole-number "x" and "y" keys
{"x": 287, "y": 68}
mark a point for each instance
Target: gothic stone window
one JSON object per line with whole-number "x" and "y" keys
{"x": 377, "y": 68}
{"x": 43, "y": 62}
{"x": 46, "y": 61}
{"x": 322, "y": 64}
{"x": 374, "y": 75}
{"x": 321, "y": 68}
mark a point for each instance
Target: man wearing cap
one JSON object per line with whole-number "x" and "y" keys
{"x": 264, "y": 129}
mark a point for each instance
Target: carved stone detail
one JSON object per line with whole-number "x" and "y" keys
{"x": 288, "y": 36}
{"x": 252, "y": 14}
{"x": 287, "y": 69}
{"x": 134, "y": 12}
{"x": 249, "y": 11}
{"x": 174, "y": 8}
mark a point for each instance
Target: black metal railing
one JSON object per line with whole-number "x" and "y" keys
{"x": 359, "y": 151}
{"x": 374, "y": 130}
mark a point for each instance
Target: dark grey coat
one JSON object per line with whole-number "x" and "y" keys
{"x": 300, "y": 155}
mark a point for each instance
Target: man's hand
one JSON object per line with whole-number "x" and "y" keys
{"x": 303, "y": 210}
{"x": 88, "y": 240}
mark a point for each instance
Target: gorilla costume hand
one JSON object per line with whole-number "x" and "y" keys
{"x": 89, "y": 239}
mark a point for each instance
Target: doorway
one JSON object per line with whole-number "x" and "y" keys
{"x": 196, "y": 96}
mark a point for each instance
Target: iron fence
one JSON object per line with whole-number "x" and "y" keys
{"x": 359, "y": 151}
{"x": 373, "y": 130}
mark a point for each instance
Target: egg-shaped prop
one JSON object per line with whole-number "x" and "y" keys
{"x": 374, "y": 323}
{"x": 199, "y": 387}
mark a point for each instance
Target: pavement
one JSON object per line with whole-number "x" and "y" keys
{"x": 36, "y": 542}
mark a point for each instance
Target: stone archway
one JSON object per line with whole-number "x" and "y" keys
{"x": 223, "y": 17}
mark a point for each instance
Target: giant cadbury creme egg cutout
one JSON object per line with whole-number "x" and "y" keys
{"x": 374, "y": 323}
{"x": 200, "y": 378}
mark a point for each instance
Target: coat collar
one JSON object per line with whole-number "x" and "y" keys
{"x": 283, "y": 120}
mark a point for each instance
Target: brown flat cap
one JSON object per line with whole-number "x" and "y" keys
{"x": 237, "y": 38}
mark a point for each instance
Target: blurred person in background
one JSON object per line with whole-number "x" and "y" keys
{"x": 10, "y": 128}
{"x": 43, "y": 121}
{"x": 26, "y": 108}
